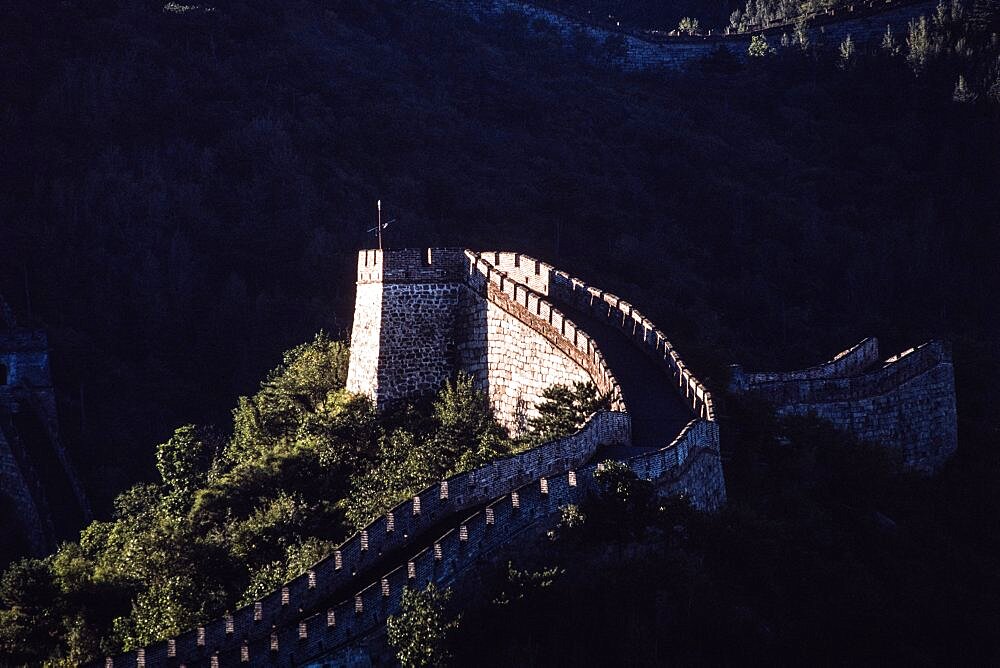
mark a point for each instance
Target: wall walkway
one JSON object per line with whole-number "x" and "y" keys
{"x": 339, "y": 599}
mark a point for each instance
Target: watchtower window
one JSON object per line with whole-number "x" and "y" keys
{"x": 3, "y": 374}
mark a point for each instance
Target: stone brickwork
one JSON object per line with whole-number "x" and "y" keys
{"x": 404, "y": 333}
{"x": 865, "y": 21}
{"x": 323, "y": 613}
{"x": 906, "y": 405}
{"x": 320, "y": 616}
{"x": 420, "y": 316}
{"x": 548, "y": 280}
{"x": 694, "y": 465}
{"x": 517, "y": 344}
{"x": 513, "y": 363}
{"x": 35, "y": 469}
{"x": 14, "y": 484}
{"x": 335, "y": 577}
{"x": 852, "y": 362}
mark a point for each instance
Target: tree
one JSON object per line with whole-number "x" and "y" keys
{"x": 184, "y": 460}
{"x": 918, "y": 44}
{"x": 462, "y": 434}
{"x": 847, "y": 53}
{"x": 962, "y": 93}
{"x": 623, "y": 500}
{"x": 419, "y": 633}
{"x": 801, "y": 34}
{"x": 688, "y": 26}
{"x": 994, "y": 91}
{"x": 465, "y": 423}
{"x": 564, "y": 410}
{"x": 758, "y": 47}
{"x": 293, "y": 400}
{"x": 889, "y": 44}
{"x": 29, "y": 612}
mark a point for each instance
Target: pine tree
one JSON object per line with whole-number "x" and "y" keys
{"x": 758, "y": 47}
{"x": 889, "y": 44}
{"x": 847, "y": 53}
{"x": 963, "y": 94}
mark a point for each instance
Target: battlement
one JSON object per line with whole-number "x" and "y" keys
{"x": 906, "y": 404}
{"x": 327, "y": 608}
{"x": 411, "y": 265}
{"x": 850, "y": 362}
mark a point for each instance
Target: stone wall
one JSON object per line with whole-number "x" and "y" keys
{"x": 906, "y": 406}
{"x": 324, "y": 610}
{"x": 517, "y": 344}
{"x": 15, "y": 485}
{"x": 613, "y": 309}
{"x": 35, "y": 469}
{"x": 694, "y": 465}
{"x": 364, "y": 553}
{"x": 452, "y": 556}
{"x": 418, "y": 321}
{"x": 865, "y": 21}
{"x": 406, "y": 314}
{"x": 25, "y": 356}
{"x": 851, "y": 362}
{"x": 311, "y": 619}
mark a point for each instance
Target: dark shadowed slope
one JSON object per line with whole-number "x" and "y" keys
{"x": 658, "y": 411}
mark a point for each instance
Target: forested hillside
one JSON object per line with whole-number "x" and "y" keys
{"x": 185, "y": 187}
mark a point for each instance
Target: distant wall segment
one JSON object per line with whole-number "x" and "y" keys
{"x": 467, "y": 299}
{"x": 865, "y": 21}
{"x": 906, "y": 404}
{"x": 422, "y": 315}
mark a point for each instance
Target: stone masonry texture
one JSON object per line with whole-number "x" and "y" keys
{"x": 906, "y": 405}
{"x": 481, "y": 316}
{"x": 474, "y": 311}
{"x": 29, "y": 438}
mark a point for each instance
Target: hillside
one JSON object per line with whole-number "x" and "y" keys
{"x": 185, "y": 188}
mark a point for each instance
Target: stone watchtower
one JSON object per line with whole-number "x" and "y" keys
{"x": 406, "y": 317}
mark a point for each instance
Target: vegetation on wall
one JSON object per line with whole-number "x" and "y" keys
{"x": 233, "y": 517}
{"x": 184, "y": 190}
{"x": 184, "y": 187}
{"x": 825, "y": 552}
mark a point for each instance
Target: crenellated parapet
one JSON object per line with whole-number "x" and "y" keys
{"x": 851, "y": 362}
{"x": 511, "y": 362}
{"x": 501, "y": 324}
{"x": 335, "y": 580}
{"x": 905, "y": 404}
{"x": 559, "y": 285}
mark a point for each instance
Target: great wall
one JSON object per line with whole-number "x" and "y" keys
{"x": 865, "y": 21}
{"x": 516, "y": 324}
{"x": 36, "y": 474}
{"x": 906, "y": 404}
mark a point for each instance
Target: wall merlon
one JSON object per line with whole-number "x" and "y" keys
{"x": 498, "y": 321}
